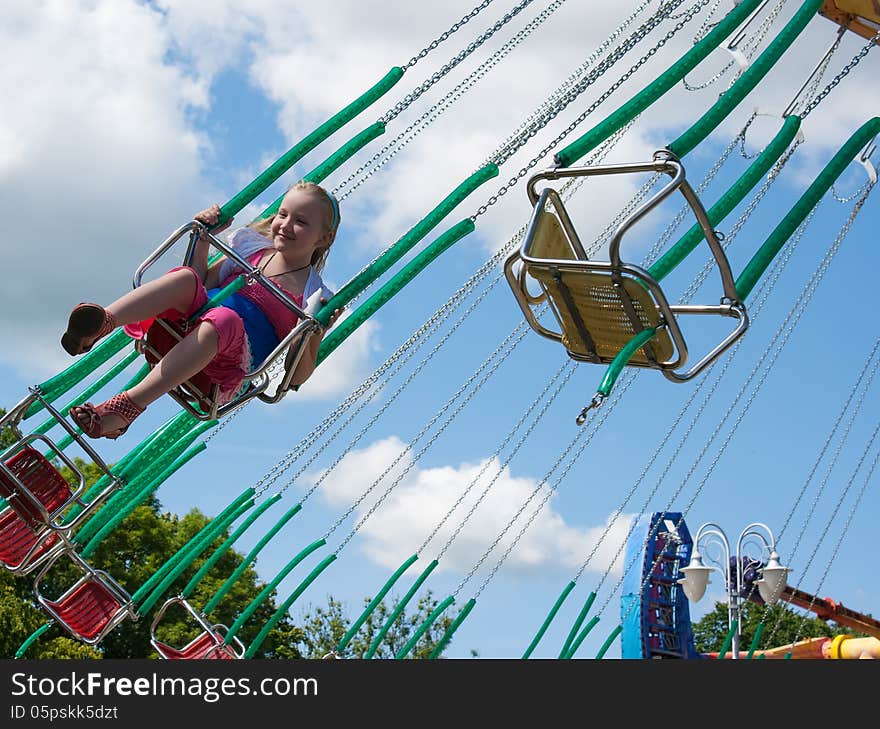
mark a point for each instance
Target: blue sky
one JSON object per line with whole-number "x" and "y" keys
{"x": 143, "y": 113}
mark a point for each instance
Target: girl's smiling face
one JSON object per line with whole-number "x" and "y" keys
{"x": 300, "y": 225}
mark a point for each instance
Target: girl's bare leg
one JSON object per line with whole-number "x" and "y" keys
{"x": 174, "y": 290}
{"x": 187, "y": 358}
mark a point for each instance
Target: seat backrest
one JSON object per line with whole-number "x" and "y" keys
{"x": 547, "y": 238}
{"x": 42, "y": 481}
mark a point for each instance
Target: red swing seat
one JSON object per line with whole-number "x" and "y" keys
{"x": 92, "y": 607}
{"x": 209, "y": 644}
{"x": 36, "y": 495}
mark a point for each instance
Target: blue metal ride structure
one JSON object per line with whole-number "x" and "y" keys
{"x": 656, "y": 620}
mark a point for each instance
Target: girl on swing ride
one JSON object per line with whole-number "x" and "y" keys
{"x": 290, "y": 248}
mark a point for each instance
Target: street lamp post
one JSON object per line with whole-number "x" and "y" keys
{"x": 712, "y": 540}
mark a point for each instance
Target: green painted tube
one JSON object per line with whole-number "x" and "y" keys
{"x": 549, "y": 619}
{"x": 789, "y": 224}
{"x": 407, "y": 241}
{"x": 270, "y": 588}
{"x": 306, "y": 145}
{"x": 285, "y": 606}
{"x": 250, "y": 559}
{"x": 176, "y": 567}
{"x": 111, "y": 374}
{"x": 332, "y": 163}
{"x": 32, "y": 638}
{"x": 380, "y": 636}
{"x": 728, "y": 639}
{"x": 450, "y": 631}
{"x": 576, "y": 643}
{"x": 246, "y": 496}
{"x": 608, "y": 641}
{"x": 225, "y": 547}
{"x": 160, "y": 454}
{"x": 138, "y": 499}
{"x": 733, "y": 197}
{"x": 620, "y": 361}
{"x": 392, "y": 287}
{"x": 420, "y": 631}
{"x": 756, "y": 641}
{"x": 197, "y": 545}
{"x": 577, "y": 624}
{"x": 56, "y": 386}
{"x": 136, "y": 378}
{"x": 374, "y": 603}
{"x": 641, "y": 101}
{"x": 730, "y": 99}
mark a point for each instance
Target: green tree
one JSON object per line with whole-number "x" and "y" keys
{"x": 782, "y": 626}
{"x": 137, "y": 548}
{"x": 321, "y": 629}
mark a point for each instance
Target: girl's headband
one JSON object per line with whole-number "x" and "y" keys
{"x": 335, "y": 205}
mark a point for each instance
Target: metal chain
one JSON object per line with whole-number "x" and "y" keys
{"x": 404, "y": 103}
{"x": 502, "y": 155}
{"x": 388, "y": 402}
{"x": 845, "y": 529}
{"x": 622, "y": 388}
{"x": 846, "y": 408}
{"x": 443, "y": 36}
{"x": 750, "y": 46}
{"x": 431, "y": 115}
{"x": 573, "y": 77}
{"x": 491, "y": 364}
{"x": 541, "y": 398}
{"x": 841, "y": 75}
{"x": 571, "y": 127}
{"x": 397, "y": 144}
{"x": 791, "y": 318}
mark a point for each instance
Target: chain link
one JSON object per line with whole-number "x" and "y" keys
{"x": 447, "y": 67}
{"x": 432, "y": 114}
{"x": 840, "y": 76}
{"x": 579, "y": 88}
{"x": 443, "y": 36}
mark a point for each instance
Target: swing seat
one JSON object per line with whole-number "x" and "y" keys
{"x": 38, "y": 518}
{"x": 162, "y": 335}
{"x": 198, "y": 395}
{"x": 599, "y": 305}
{"x": 36, "y": 494}
{"x": 209, "y": 644}
{"x": 23, "y": 549}
{"x": 91, "y": 607}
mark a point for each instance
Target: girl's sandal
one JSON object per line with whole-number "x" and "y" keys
{"x": 91, "y": 417}
{"x": 86, "y": 325}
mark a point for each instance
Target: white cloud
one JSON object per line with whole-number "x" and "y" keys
{"x": 417, "y": 504}
{"x": 104, "y": 147}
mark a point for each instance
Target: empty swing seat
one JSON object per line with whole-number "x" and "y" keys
{"x": 91, "y": 607}
{"x": 206, "y": 646}
{"x": 599, "y": 306}
{"x": 36, "y": 494}
{"x": 210, "y": 644}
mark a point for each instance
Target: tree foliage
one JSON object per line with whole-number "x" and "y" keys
{"x": 782, "y": 626}
{"x": 133, "y": 552}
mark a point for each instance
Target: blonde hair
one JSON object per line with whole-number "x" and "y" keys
{"x": 319, "y": 257}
